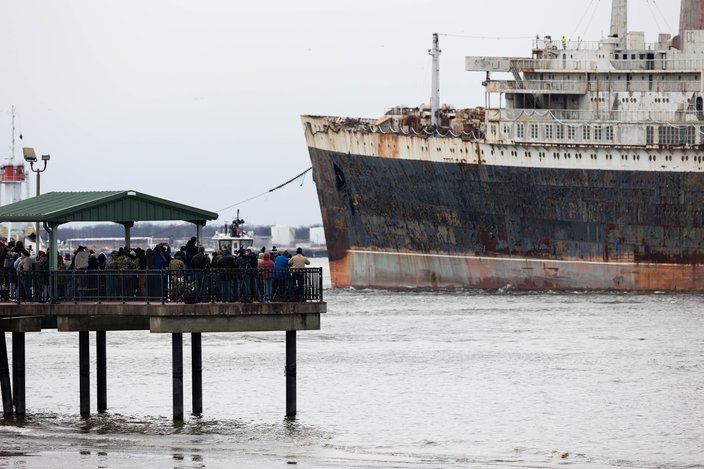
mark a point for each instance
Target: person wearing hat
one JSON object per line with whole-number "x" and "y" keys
{"x": 80, "y": 258}
{"x": 191, "y": 250}
{"x": 298, "y": 263}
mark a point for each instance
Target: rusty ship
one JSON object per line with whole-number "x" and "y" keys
{"x": 588, "y": 173}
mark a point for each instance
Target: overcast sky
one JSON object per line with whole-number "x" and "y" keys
{"x": 199, "y": 101}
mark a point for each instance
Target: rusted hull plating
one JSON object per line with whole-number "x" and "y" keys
{"x": 401, "y": 223}
{"x": 394, "y": 270}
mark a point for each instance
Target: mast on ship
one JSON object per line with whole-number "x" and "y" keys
{"x": 435, "y": 95}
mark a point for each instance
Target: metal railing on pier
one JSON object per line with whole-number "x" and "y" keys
{"x": 164, "y": 286}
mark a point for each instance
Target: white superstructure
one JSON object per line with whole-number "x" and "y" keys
{"x": 620, "y": 98}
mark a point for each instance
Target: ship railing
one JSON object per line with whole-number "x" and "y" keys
{"x": 527, "y": 65}
{"x": 539, "y": 86}
{"x": 605, "y": 114}
{"x": 656, "y": 64}
{"x": 656, "y": 86}
{"x": 581, "y": 87}
{"x": 564, "y": 62}
{"x": 163, "y": 286}
{"x": 548, "y": 43}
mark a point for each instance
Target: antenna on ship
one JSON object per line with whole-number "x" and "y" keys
{"x": 435, "y": 95}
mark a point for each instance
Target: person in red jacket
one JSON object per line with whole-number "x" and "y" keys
{"x": 265, "y": 270}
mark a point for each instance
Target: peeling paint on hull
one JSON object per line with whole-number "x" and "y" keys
{"x": 394, "y": 270}
{"x": 404, "y": 223}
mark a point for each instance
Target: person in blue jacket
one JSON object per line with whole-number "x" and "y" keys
{"x": 280, "y": 276}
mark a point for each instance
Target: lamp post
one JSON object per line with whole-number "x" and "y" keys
{"x": 31, "y": 158}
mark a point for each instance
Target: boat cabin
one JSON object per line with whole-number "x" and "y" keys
{"x": 232, "y": 238}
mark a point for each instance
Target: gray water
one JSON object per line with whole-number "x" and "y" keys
{"x": 499, "y": 379}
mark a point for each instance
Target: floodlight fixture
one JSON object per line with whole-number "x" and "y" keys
{"x": 29, "y": 155}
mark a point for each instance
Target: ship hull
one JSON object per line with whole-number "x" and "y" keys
{"x": 397, "y": 270}
{"x": 406, "y": 223}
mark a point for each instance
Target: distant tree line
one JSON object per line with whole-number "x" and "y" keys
{"x": 171, "y": 231}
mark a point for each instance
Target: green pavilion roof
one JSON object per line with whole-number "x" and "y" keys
{"x": 56, "y": 208}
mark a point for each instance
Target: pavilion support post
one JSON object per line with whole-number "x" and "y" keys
{"x": 290, "y": 374}
{"x": 53, "y": 247}
{"x": 199, "y": 231}
{"x": 18, "y": 373}
{"x": 53, "y": 260}
{"x": 101, "y": 370}
{"x": 5, "y": 386}
{"x": 177, "y": 383}
{"x": 128, "y": 233}
{"x": 197, "y": 372}
{"x": 84, "y": 371}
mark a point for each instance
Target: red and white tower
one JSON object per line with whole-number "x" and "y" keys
{"x": 13, "y": 179}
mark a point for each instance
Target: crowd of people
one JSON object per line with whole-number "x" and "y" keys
{"x": 189, "y": 274}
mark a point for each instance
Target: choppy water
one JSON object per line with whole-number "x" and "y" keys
{"x": 475, "y": 379}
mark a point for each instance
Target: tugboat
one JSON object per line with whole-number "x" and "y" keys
{"x": 232, "y": 238}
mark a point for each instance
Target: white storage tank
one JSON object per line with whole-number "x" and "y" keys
{"x": 317, "y": 236}
{"x": 283, "y": 235}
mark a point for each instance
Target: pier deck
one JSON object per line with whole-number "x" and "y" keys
{"x": 161, "y": 318}
{"x": 173, "y": 318}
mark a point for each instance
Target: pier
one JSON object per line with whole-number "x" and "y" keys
{"x": 160, "y": 301}
{"x": 171, "y": 318}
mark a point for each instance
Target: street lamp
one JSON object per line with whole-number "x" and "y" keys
{"x": 31, "y": 158}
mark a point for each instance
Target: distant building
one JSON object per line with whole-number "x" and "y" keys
{"x": 283, "y": 235}
{"x": 317, "y": 236}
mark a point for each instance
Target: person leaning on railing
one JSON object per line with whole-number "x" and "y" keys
{"x": 226, "y": 266}
{"x": 249, "y": 289}
{"x": 299, "y": 261}
{"x": 176, "y": 280}
{"x": 43, "y": 265}
{"x": 199, "y": 263}
{"x": 265, "y": 275}
{"x": 280, "y": 277}
{"x": 24, "y": 274}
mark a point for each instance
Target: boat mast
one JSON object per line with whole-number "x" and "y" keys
{"x": 435, "y": 95}
{"x": 619, "y": 21}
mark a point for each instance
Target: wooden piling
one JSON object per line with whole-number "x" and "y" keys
{"x": 84, "y": 371}
{"x": 290, "y": 374}
{"x": 101, "y": 370}
{"x": 177, "y": 354}
{"x": 197, "y": 372}
{"x": 18, "y": 373}
{"x": 5, "y": 385}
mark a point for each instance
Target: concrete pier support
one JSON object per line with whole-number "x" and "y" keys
{"x": 101, "y": 370}
{"x": 18, "y": 373}
{"x": 177, "y": 354}
{"x": 197, "y": 372}
{"x": 5, "y": 386}
{"x": 84, "y": 371}
{"x": 290, "y": 374}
